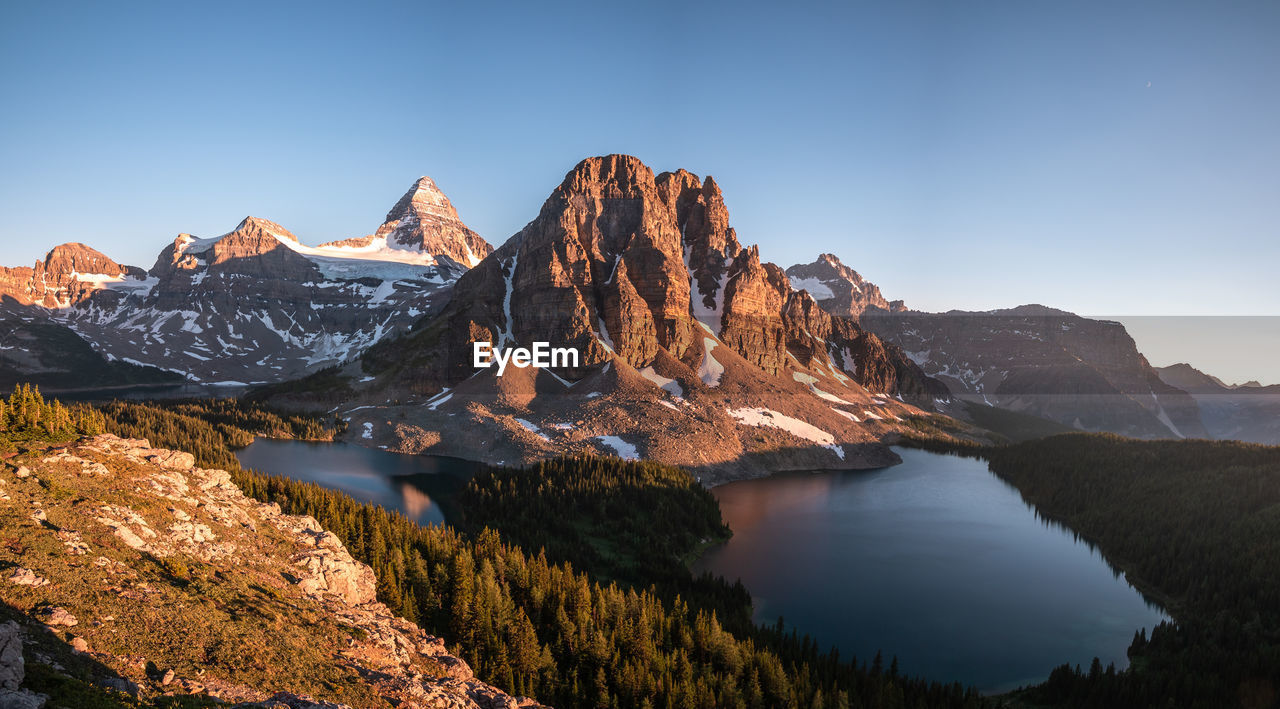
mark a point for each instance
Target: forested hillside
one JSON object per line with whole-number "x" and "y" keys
{"x": 1195, "y": 524}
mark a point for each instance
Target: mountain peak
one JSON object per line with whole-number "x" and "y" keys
{"x": 1032, "y": 310}
{"x": 77, "y": 257}
{"x": 1189, "y": 379}
{"x": 840, "y": 290}
{"x": 612, "y": 176}
{"x": 423, "y": 198}
{"x": 252, "y": 223}
{"x": 425, "y": 220}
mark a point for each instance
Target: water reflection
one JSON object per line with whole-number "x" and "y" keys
{"x": 936, "y": 561}
{"x": 419, "y": 486}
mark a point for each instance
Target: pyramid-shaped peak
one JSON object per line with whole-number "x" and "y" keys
{"x": 423, "y": 199}
{"x": 252, "y": 223}
{"x": 424, "y": 220}
{"x": 425, "y": 183}
{"x": 840, "y": 290}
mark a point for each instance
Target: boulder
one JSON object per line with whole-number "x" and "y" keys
{"x": 55, "y": 616}
{"x": 12, "y": 665}
{"x": 173, "y": 459}
{"x": 26, "y": 577}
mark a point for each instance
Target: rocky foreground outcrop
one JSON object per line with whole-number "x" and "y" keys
{"x": 133, "y": 569}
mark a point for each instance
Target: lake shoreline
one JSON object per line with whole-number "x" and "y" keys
{"x": 938, "y": 562}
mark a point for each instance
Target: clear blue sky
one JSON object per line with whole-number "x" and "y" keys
{"x": 1093, "y": 157}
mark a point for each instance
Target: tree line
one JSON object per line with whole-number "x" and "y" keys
{"x": 26, "y": 415}
{"x": 1195, "y": 524}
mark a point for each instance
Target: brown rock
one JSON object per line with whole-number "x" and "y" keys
{"x": 56, "y": 616}
{"x": 67, "y": 275}
{"x": 26, "y": 577}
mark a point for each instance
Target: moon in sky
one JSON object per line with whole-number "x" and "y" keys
{"x": 1148, "y": 84}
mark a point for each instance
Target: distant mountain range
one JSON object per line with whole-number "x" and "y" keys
{"x": 1245, "y": 412}
{"x": 1087, "y": 374}
{"x": 254, "y": 305}
{"x": 694, "y": 350}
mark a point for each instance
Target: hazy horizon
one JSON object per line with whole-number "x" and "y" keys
{"x": 1235, "y": 349}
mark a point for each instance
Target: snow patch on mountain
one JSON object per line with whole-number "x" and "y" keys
{"x": 811, "y": 382}
{"x": 670, "y": 385}
{"x": 623, "y": 449}
{"x": 533, "y": 428}
{"x": 710, "y": 370}
{"x": 508, "y": 275}
{"x": 757, "y": 416}
{"x": 816, "y": 288}
{"x": 847, "y": 415}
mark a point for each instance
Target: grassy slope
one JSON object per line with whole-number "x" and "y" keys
{"x": 235, "y": 621}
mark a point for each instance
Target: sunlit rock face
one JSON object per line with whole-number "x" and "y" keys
{"x": 68, "y": 275}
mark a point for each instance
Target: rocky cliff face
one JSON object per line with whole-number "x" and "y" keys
{"x": 691, "y": 345}
{"x": 620, "y": 262}
{"x": 840, "y": 290}
{"x": 255, "y": 304}
{"x": 68, "y": 275}
{"x": 134, "y": 568}
{"x": 1080, "y": 372}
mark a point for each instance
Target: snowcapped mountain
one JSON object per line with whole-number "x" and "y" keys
{"x": 425, "y": 223}
{"x": 693, "y": 350}
{"x": 255, "y": 304}
{"x": 68, "y": 274}
{"x": 840, "y": 290}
